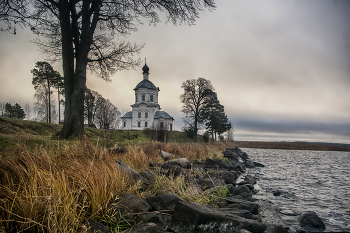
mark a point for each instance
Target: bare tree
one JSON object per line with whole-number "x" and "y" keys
{"x": 196, "y": 93}
{"x": 106, "y": 113}
{"x": 45, "y": 76}
{"x": 42, "y": 107}
{"x": 28, "y": 110}
{"x": 2, "y": 108}
{"x": 82, "y": 34}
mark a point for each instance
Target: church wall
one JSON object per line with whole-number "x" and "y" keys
{"x": 143, "y": 109}
{"x": 147, "y": 92}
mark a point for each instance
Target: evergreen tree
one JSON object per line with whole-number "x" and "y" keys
{"x": 44, "y": 79}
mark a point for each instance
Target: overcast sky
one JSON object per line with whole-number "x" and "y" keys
{"x": 280, "y": 68}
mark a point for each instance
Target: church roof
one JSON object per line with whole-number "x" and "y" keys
{"x": 148, "y": 104}
{"x": 162, "y": 114}
{"x": 128, "y": 115}
{"x": 147, "y": 84}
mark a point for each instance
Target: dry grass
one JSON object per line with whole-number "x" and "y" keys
{"x": 54, "y": 188}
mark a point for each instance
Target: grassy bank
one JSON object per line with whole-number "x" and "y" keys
{"x": 49, "y": 185}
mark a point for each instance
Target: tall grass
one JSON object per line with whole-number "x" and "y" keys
{"x": 54, "y": 188}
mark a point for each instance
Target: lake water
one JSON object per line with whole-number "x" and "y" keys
{"x": 308, "y": 180}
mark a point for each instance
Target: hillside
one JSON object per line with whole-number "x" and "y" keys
{"x": 14, "y": 131}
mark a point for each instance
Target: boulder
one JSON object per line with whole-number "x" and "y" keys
{"x": 163, "y": 202}
{"x": 181, "y": 162}
{"x": 311, "y": 222}
{"x": 166, "y": 156}
{"x": 129, "y": 204}
{"x": 215, "y": 163}
{"x": 194, "y": 217}
{"x": 228, "y": 177}
{"x": 91, "y": 226}
{"x": 222, "y": 204}
{"x": 243, "y": 155}
{"x": 249, "y": 164}
{"x": 258, "y": 164}
{"x": 240, "y": 189}
{"x": 205, "y": 183}
{"x": 153, "y": 217}
{"x": 251, "y": 179}
{"x": 136, "y": 177}
{"x": 231, "y": 155}
{"x": 278, "y": 229}
{"x": 149, "y": 176}
{"x": 145, "y": 228}
{"x": 242, "y": 204}
{"x": 250, "y": 206}
{"x": 238, "y": 212}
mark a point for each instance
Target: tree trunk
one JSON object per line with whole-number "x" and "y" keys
{"x": 49, "y": 96}
{"x": 73, "y": 114}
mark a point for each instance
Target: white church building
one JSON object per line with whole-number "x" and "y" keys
{"x": 146, "y": 110}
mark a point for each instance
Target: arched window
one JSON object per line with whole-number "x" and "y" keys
{"x": 139, "y": 124}
{"x": 139, "y": 115}
{"x": 146, "y": 124}
{"x": 124, "y": 124}
{"x": 136, "y": 99}
{"x": 146, "y": 114}
{"x": 161, "y": 125}
{"x": 143, "y": 97}
{"x": 151, "y": 98}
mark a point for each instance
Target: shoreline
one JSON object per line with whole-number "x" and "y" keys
{"x": 291, "y": 146}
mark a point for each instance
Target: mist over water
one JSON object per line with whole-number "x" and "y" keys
{"x": 308, "y": 180}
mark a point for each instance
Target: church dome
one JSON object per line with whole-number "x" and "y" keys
{"x": 147, "y": 84}
{"x": 145, "y": 69}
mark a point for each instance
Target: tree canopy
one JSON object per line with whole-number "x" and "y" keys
{"x": 44, "y": 79}
{"x": 196, "y": 93}
{"x": 82, "y": 33}
{"x": 15, "y": 111}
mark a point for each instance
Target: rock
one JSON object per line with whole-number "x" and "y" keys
{"x": 129, "y": 204}
{"x": 230, "y": 187}
{"x": 154, "y": 217}
{"x": 243, "y": 155}
{"x": 288, "y": 212}
{"x": 215, "y": 163}
{"x": 166, "y": 156}
{"x": 258, "y": 164}
{"x": 91, "y": 226}
{"x": 229, "y": 177}
{"x": 163, "y": 202}
{"x": 240, "y": 189}
{"x": 278, "y": 229}
{"x": 249, "y": 164}
{"x": 145, "y": 228}
{"x": 242, "y": 204}
{"x": 222, "y": 204}
{"x": 205, "y": 183}
{"x": 136, "y": 177}
{"x": 238, "y": 212}
{"x": 194, "y": 217}
{"x": 181, "y": 162}
{"x": 277, "y": 193}
{"x": 250, "y": 206}
{"x": 231, "y": 155}
{"x": 251, "y": 179}
{"x": 149, "y": 176}
{"x": 311, "y": 222}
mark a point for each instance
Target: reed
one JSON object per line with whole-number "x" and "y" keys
{"x": 54, "y": 188}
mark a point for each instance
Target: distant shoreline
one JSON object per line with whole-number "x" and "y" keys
{"x": 293, "y": 145}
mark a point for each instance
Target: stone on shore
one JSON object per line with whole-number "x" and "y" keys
{"x": 163, "y": 202}
{"x": 194, "y": 217}
{"x": 146, "y": 228}
{"x": 136, "y": 177}
{"x": 311, "y": 222}
{"x": 249, "y": 164}
{"x": 167, "y": 156}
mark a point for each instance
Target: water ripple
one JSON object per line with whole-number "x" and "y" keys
{"x": 309, "y": 180}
